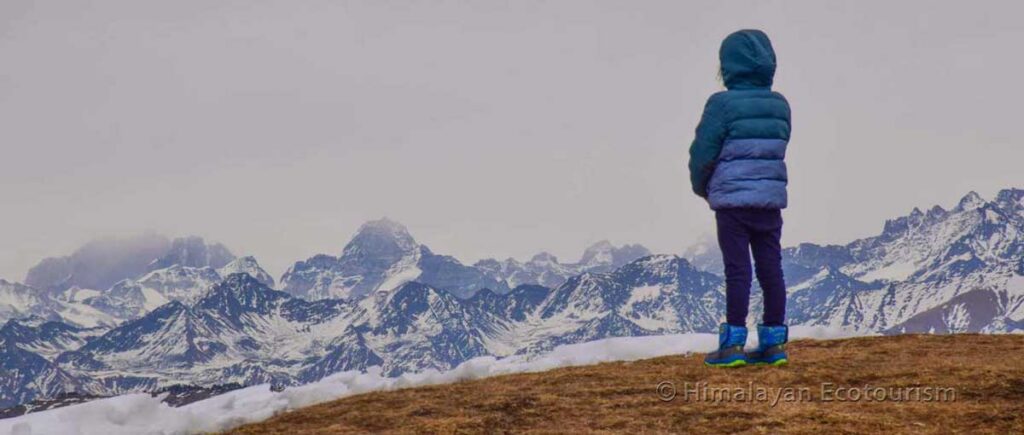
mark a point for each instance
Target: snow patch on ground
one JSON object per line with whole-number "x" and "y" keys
{"x": 140, "y": 413}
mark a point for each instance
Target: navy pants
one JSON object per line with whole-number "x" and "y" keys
{"x": 740, "y": 232}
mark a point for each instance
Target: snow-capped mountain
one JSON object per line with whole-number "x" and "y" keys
{"x": 242, "y": 331}
{"x": 381, "y": 257}
{"x": 134, "y": 296}
{"x": 956, "y": 270}
{"x": 390, "y": 302}
{"x": 545, "y": 269}
{"x": 653, "y": 295}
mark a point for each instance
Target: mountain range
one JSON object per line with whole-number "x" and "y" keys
{"x": 187, "y": 313}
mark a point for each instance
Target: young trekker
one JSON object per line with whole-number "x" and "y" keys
{"x": 736, "y": 164}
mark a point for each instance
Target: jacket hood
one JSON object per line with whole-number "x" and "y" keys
{"x": 748, "y": 60}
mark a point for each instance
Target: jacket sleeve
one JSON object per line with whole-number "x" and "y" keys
{"x": 706, "y": 146}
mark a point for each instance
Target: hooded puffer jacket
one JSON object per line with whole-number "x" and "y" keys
{"x": 736, "y": 159}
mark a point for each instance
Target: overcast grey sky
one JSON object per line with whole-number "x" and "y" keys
{"x": 490, "y": 128}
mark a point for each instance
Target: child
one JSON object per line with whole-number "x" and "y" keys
{"x": 736, "y": 164}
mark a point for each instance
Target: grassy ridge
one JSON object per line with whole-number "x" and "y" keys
{"x": 909, "y": 383}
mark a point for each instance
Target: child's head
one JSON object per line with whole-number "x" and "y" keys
{"x": 747, "y": 60}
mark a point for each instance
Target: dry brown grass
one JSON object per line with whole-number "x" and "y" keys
{"x": 987, "y": 373}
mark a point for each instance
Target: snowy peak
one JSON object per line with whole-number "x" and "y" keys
{"x": 381, "y": 257}
{"x": 381, "y": 254}
{"x": 384, "y": 241}
{"x": 247, "y": 265}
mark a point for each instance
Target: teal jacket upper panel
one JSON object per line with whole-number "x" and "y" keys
{"x": 737, "y": 155}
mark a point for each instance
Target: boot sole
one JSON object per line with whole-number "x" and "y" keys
{"x": 778, "y": 363}
{"x": 731, "y": 364}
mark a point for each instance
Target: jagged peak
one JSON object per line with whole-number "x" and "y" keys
{"x": 970, "y": 201}
{"x": 935, "y": 211}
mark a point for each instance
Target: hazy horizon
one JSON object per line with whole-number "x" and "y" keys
{"x": 488, "y": 129}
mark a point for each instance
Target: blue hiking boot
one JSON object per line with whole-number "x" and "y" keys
{"x": 731, "y": 340}
{"x": 771, "y": 347}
